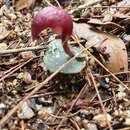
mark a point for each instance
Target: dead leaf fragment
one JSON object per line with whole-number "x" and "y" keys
{"x": 22, "y": 4}
{"x": 105, "y": 24}
{"x": 106, "y": 44}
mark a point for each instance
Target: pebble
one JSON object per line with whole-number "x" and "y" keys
{"x": 102, "y": 119}
{"x": 12, "y": 16}
{"x": 2, "y": 105}
{"x": 127, "y": 121}
{"x": 121, "y": 95}
{"x": 78, "y": 118}
{"x": 26, "y": 111}
{"x": 27, "y": 55}
{"x": 3, "y": 46}
{"x": 117, "y": 112}
{"x": 26, "y": 77}
{"x": 121, "y": 88}
{"x": 44, "y": 112}
{"x": 107, "y": 80}
{"x": 91, "y": 126}
{"x": 38, "y": 107}
{"x": 82, "y": 129}
{"x": 85, "y": 123}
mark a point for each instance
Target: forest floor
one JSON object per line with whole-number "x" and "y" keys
{"x": 96, "y": 98}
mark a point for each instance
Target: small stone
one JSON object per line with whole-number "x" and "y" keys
{"x": 127, "y": 121}
{"x": 3, "y": 46}
{"x": 44, "y": 112}
{"x": 26, "y": 111}
{"x": 43, "y": 115}
{"x": 85, "y": 123}
{"x": 121, "y": 88}
{"x": 77, "y": 118}
{"x": 117, "y": 112}
{"x": 15, "y": 82}
{"x": 26, "y": 77}
{"x": 91, "y": 127}
{"x": 27, "y": 55}
{"x": 38, "y": 107}
{"x": 12, "y": 60}
{"x": 120, "y": 95}
{"x": 107, "y": 80}
{"x": 2, "y": 105}
{"x": 82, "y": 129}
{"x": 102, "y": 119}
{"x": 12, "y": 16}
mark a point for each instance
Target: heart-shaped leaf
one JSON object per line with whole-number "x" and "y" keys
{"x": 55, "y": 57}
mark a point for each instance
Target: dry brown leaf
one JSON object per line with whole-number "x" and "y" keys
{"x": 112, "y": 46}
{"x": 21, "y": 4}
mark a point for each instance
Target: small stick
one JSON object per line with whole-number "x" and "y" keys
{"x": 22, "y": 125}
{"x": 48, "y": 2}
{"x": 100, "y": 100}
{"x": 58, "y": 3}
{"x": 11, "y": 72}
{"x": 75, "y": 124}
{"x": 10, "y": 51}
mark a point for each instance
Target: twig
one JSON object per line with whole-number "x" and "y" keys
{"x": 48, "y": 2}
{"x": 17, "y": 68}
{"x": 108, "y": 7}
{"x": 127, "y": 128}
{"x": 58, "y": 3}
{"x": 90, "y": 3}
{"x": 96, "y": 103}
{"x": 44, "y": 94}
{"x": 100, "y": 100}
{"x": 61, "y": 122}
{"x": 75, "y": 124}
{"x": 58, "y": 117}
{"x": 10, "y": 51}
{"x": 22, "y": 125}
{"x": 4, "y": 73}
{"x": 118, "y": 73}
{"x": 37, "y": 87}
{"x": 59, "y": 111}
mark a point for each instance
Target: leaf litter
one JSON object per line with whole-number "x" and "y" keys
{"x": 91, "y": 99}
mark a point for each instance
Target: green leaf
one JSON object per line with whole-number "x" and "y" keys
{"x": 55, "y": 57}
